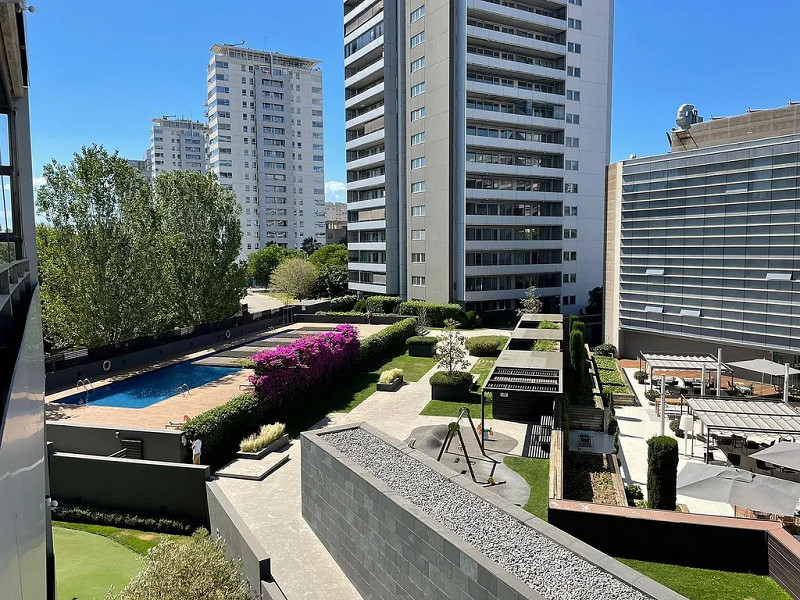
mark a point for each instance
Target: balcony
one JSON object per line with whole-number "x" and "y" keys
{"x": 365, "y": 97}
{"x": 504, "y": 118}
{"x": 510, "y": 269}
{"x": 515, "y": 93}
{"x": 493, "y": 64}
{"x": 369, "y": 182}
{"x": 366, "y": 225}
{"x": 513, "y": 170}
{"x": 516, "y": 41}
{"x": 503, "y": 294}
{"x": 513, "y": 221}
{"x": 373, "y": 267}
{"x": 521, "y": 196}
{"x": 360, "y": 54}
{"x": 374, "y": 246}
{"x": 482, "y": 141}
{"x": 364, "y": 204}
{"x": 366, "y": 75}
{"x": 378, "y": 157}
{"x": 366, "y": 140}
{"x": 491, "y": 9}
{"x": 365, "y": 117}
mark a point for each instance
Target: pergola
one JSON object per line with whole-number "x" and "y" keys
{"x": 699, "y": 363}
{"x": 726, "y": 418}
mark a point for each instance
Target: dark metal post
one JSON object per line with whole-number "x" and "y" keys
{"x": 483, "y": 421}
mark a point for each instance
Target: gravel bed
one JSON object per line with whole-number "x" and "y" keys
{"x": 552, "y": 570}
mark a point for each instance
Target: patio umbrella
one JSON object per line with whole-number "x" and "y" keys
{"x": 763, "y": 366}
{"x": 783, "y": 454}
{"x": 740, "y": 488}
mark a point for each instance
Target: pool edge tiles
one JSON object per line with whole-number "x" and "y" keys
{"x": 374, "y": 502}
{"x": 147, "y": 389}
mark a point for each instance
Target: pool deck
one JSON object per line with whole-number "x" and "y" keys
{"x": 157, "y": 415}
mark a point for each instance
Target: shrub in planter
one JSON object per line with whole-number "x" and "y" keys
{"x": 652, "y": 395}
{"x": 266, "y": 435}
{"x": 390, "y": 380}
{"x": 674, "y": 425}
{"x": 114, "y": 518}
{"x": 545, "y": 346}
{"x": 421, "y": 345}
{"x": 383, "y": 304}
{"x": 640, "y": 376}
{"x": 605, "y": 350}
{"x": 486, "y": 345}
{"x": 453, "y": 386}
{"x": 548, "y": 325}
{"x": 662, "y": 472}
{"x": 385, "y": 341}
{"x": 343, "y": 303}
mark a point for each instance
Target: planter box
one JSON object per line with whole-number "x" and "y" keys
{"x": 391, "y": 387}
{"x": 426, "y": 350}
{"x": 276, "y": 445}
{"x": 449, "y": 393}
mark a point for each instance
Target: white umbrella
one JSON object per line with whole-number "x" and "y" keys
{"x": 740, "y": 488}
{"x": 762, "y": 365}
{"x": 783, "y": 454}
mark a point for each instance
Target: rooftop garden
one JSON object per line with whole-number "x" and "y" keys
{"x": 588, "y": 478}
{"x": 536, "y": 473}
{"x": 444, "y": 408}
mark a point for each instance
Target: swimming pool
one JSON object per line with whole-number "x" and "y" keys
{"x": 146, "y": 389}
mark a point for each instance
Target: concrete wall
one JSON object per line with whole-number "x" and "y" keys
{"x": 390, "y": 549}
{"x": 98, "y": 440}
{"x": 632, "y": 342}
{"x": 239, "y": 540}
{"x": 171, "y": 489}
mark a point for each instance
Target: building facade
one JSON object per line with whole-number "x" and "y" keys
{"x": 335, "y": 222}
{"x": 477, "y": 139}
{"x": 701, "y": 243}
{"x": 176, "y": 145}
{"x": 265, "y": 132}
{"x": 27, "y": 564}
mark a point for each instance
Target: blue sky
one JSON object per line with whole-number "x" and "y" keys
{"x": 100, "y": 70}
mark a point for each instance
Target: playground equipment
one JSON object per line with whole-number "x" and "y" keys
{"x": 453, "y": 430}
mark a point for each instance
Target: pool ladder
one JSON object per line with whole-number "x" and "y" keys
{"x": 85, "y": 384}
{"x": 183, "y": 390}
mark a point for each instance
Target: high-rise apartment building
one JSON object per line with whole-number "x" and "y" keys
{"x": 335, "y": 222}
{"x": 477, "y": 139}
{"x": 265, "y": 132}
{"x": 176, "y": 145}
{"x": 701, "y": 243}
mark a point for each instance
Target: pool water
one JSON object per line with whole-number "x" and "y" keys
{"x": 145, "y": 390}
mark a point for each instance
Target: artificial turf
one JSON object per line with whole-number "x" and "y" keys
{"x": 536, "y": 473}
{"x": 445, "y": 408}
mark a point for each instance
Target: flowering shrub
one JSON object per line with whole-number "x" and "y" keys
{"x": 287, "y": 371}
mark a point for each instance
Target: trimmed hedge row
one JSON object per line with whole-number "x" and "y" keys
{"x": 605, "y": 350}
{"x": 101, "y": 516}
{"x": 393, "y": 338}
{"x": 343, "y": 303}
{"x": 486, "y": 345}
{"x": 382, "y": 304}
{"x": 456, "y": 379}
{"x": 435, "y": 313}
{"x": 428, "y": 340}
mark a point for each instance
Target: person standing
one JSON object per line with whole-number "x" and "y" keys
{"x": 197, "y": 448}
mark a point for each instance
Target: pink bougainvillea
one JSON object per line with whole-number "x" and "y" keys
{"x": 287, "y": 371}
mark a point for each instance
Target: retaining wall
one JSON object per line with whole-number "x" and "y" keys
{"x": 389, "y": 548}
{"x": 140, "y": 486}
{"x": 377, "y": 319}
{"x": 99, "y": 440}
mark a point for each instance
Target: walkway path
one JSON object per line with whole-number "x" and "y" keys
{"x": 272, "y": 508}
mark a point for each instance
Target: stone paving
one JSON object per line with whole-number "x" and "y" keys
{"x": 272, "y": 507}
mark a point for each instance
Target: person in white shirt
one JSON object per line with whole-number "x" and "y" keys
{"x": 197, "y": 448}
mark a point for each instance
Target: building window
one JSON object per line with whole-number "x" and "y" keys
{"x": 573, "y": 118}
{"x": 574, "y": 71}
{"x": 418, "y": 14}
{"x": 417, "y": 280}
{"x": 570, "y": 211}
{"x": 570, "y": 188}
{"x": 417, "y": 234}
{"x": 417, "y": 257}
{"x": 418, "y": 39}
{"x": 572, "y": 142}
{"x": 571, "y": 255}
{"x": 576, "y": 2}
{"x": 573, "y": 47}
{"x": 568, "y": 300}
{"x": 418, "y": 186}
{"x": 573, "y": 95}
{"x": 418, "y": 89}
{"x": 570, "y": 234}
{"x": 418, "y": 114}
{"x": 574, "y": 24}
{"x": 418, "y": 211}
{"x": 418, "y": 163}
{"x": 569, "y": 278}
{"x": 571, "y": 165}
{"x": 417, "y": 138}
{"x": 418, "y": 64}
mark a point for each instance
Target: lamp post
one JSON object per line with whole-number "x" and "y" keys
{"x": 663, "y": 401}
{"x": 687, "y": 425}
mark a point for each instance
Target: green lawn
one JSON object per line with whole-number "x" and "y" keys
{"x": 138, "y": 541}
{"x": 87, "y": 565}
{"x": 443, "y": 408}
{"x": 536, "y": 473}
{"x": 704, "y": 584}
{"x": 350, "y": 392}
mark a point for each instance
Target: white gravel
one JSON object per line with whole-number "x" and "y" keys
{"x": 552, "y": 570}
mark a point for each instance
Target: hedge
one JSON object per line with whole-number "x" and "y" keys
{"x": 454, "y": 379}
{"x": 605, "y": 362}
{"x": 428, "y": 340}
{"x": 383, "y": 304}
{"x": 142, "y": 522}
{"x": 393, "y": 338}
{"x": 486, "y": 345}
{"x": 545, "y": 346}
{"x": 435, "y": 313}
{"x": 605, "y": 350}
{"x": 343, "y": 303}
{"x": 662, "y": 472}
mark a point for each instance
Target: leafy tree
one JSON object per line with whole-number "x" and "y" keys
{"x": 187, "y": 571}
{"x": 295, "y": 277}
{"x": 98, "y": 265}
{"x": 450, "y": 353}
{"x": 201, "y": 235}
{"x": 331, "y": 282}
{"x": 531, "y": 303}
{"x": 310, "y": 245}
{"x": 335, "y": 255}
{"x": 595, "y": 305}
{"x": 262, "y": 263}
